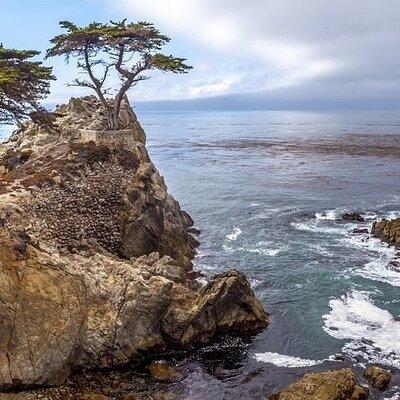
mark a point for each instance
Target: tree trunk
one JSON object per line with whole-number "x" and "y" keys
{"x": 112, "y": 119}
{"x": 115, "y": 112}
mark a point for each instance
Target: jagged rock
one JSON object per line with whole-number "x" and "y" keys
{"x": 378, "y": 377}
{"x": 164, "y": 372}
{"x": 352, "y": 217}
{"x": 219, "y": 307}
{"x": 95, "y": 257}
{"x": 387, "y": 230}
{"x": 331, "y": 385}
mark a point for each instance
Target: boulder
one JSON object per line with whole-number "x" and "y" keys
{"x": 330, "y": 385}
{"x": 95, "y": 256}
{"x": 378, "y": 377}
{"x": 356, "y": 217}
{"x": 226, "y": 304}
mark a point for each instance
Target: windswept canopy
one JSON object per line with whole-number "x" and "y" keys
{"x": 23, "y": 83}
{"x": 130, "y": 49}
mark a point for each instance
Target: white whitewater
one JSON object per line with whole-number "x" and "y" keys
{"x": 372, "y": 332}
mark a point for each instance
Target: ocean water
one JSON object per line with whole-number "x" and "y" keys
{"x": 267, "y": 190}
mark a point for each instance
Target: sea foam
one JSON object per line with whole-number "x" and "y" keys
{"x": 281, "y": 360}
{"x": 234, "y": 234}
{"x": 265, "y": 248}
{"x": 315, "y": 226}
{"x": 378, "y": 267}
{"x": 329, "y": 215}
{"x": 372, "y": 333}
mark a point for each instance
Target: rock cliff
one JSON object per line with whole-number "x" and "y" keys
{"x": 95, "y": 254}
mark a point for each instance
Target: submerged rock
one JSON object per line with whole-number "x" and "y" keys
{"x": 331, "y": 385}
{"x": 378, "y": 377}
{"x": 95, "y": 257}
{"x": 164, "y": 372}
{"x": 360, "y": 231}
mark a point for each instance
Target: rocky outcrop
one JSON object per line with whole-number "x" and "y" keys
{"x": 95, "y": 256}
{"x": 387, "y": 230}
{"x": 331, "y": 385}
{"x": 85, "y": 186}
{"x": 378, "y": 377}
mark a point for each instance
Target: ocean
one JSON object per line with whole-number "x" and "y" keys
{"x": 267, "y": 190}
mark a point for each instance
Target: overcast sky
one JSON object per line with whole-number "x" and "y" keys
{"x": 253, "y": 53}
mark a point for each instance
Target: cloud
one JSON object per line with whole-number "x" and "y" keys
{"x": 338, "y": 48}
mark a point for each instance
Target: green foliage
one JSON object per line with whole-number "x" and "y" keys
{"x": 130, "y": 49}
{"x": 23, "y": 83}
{"x": 76, "y": 41}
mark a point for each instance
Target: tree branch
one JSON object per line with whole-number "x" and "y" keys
{"x": 97, "y": 83}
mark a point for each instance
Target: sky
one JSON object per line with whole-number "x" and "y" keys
{"x": 257, "y": 54}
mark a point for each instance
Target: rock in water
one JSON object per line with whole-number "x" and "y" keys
{"x": 164, "y": 372}
{"x": 378, "y": 377}
{"x": 331, "y": 385}
{"x": 360, "y": 231}
{"x": 95, "y": 256}
{"x": 352, "y": 217}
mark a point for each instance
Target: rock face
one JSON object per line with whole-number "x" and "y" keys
{"x": 387, "y": 230}
{"x": 331, "y": 385}
{"x": 378, "y": 377}
{"x": 95, "y": 256}
{"x": 95, "y": 186}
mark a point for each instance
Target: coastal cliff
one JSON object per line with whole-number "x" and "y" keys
{"x": 95, "y": 254}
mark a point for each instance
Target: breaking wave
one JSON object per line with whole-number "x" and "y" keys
{"x": 234, "y": 234}
{"x": 372, "y": 333}
{"x": 281, "y": 360}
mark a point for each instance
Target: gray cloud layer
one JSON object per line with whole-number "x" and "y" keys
{"x": 291, "y": 49}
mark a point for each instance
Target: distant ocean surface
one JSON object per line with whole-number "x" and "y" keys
{"x": 267, "y": 190}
